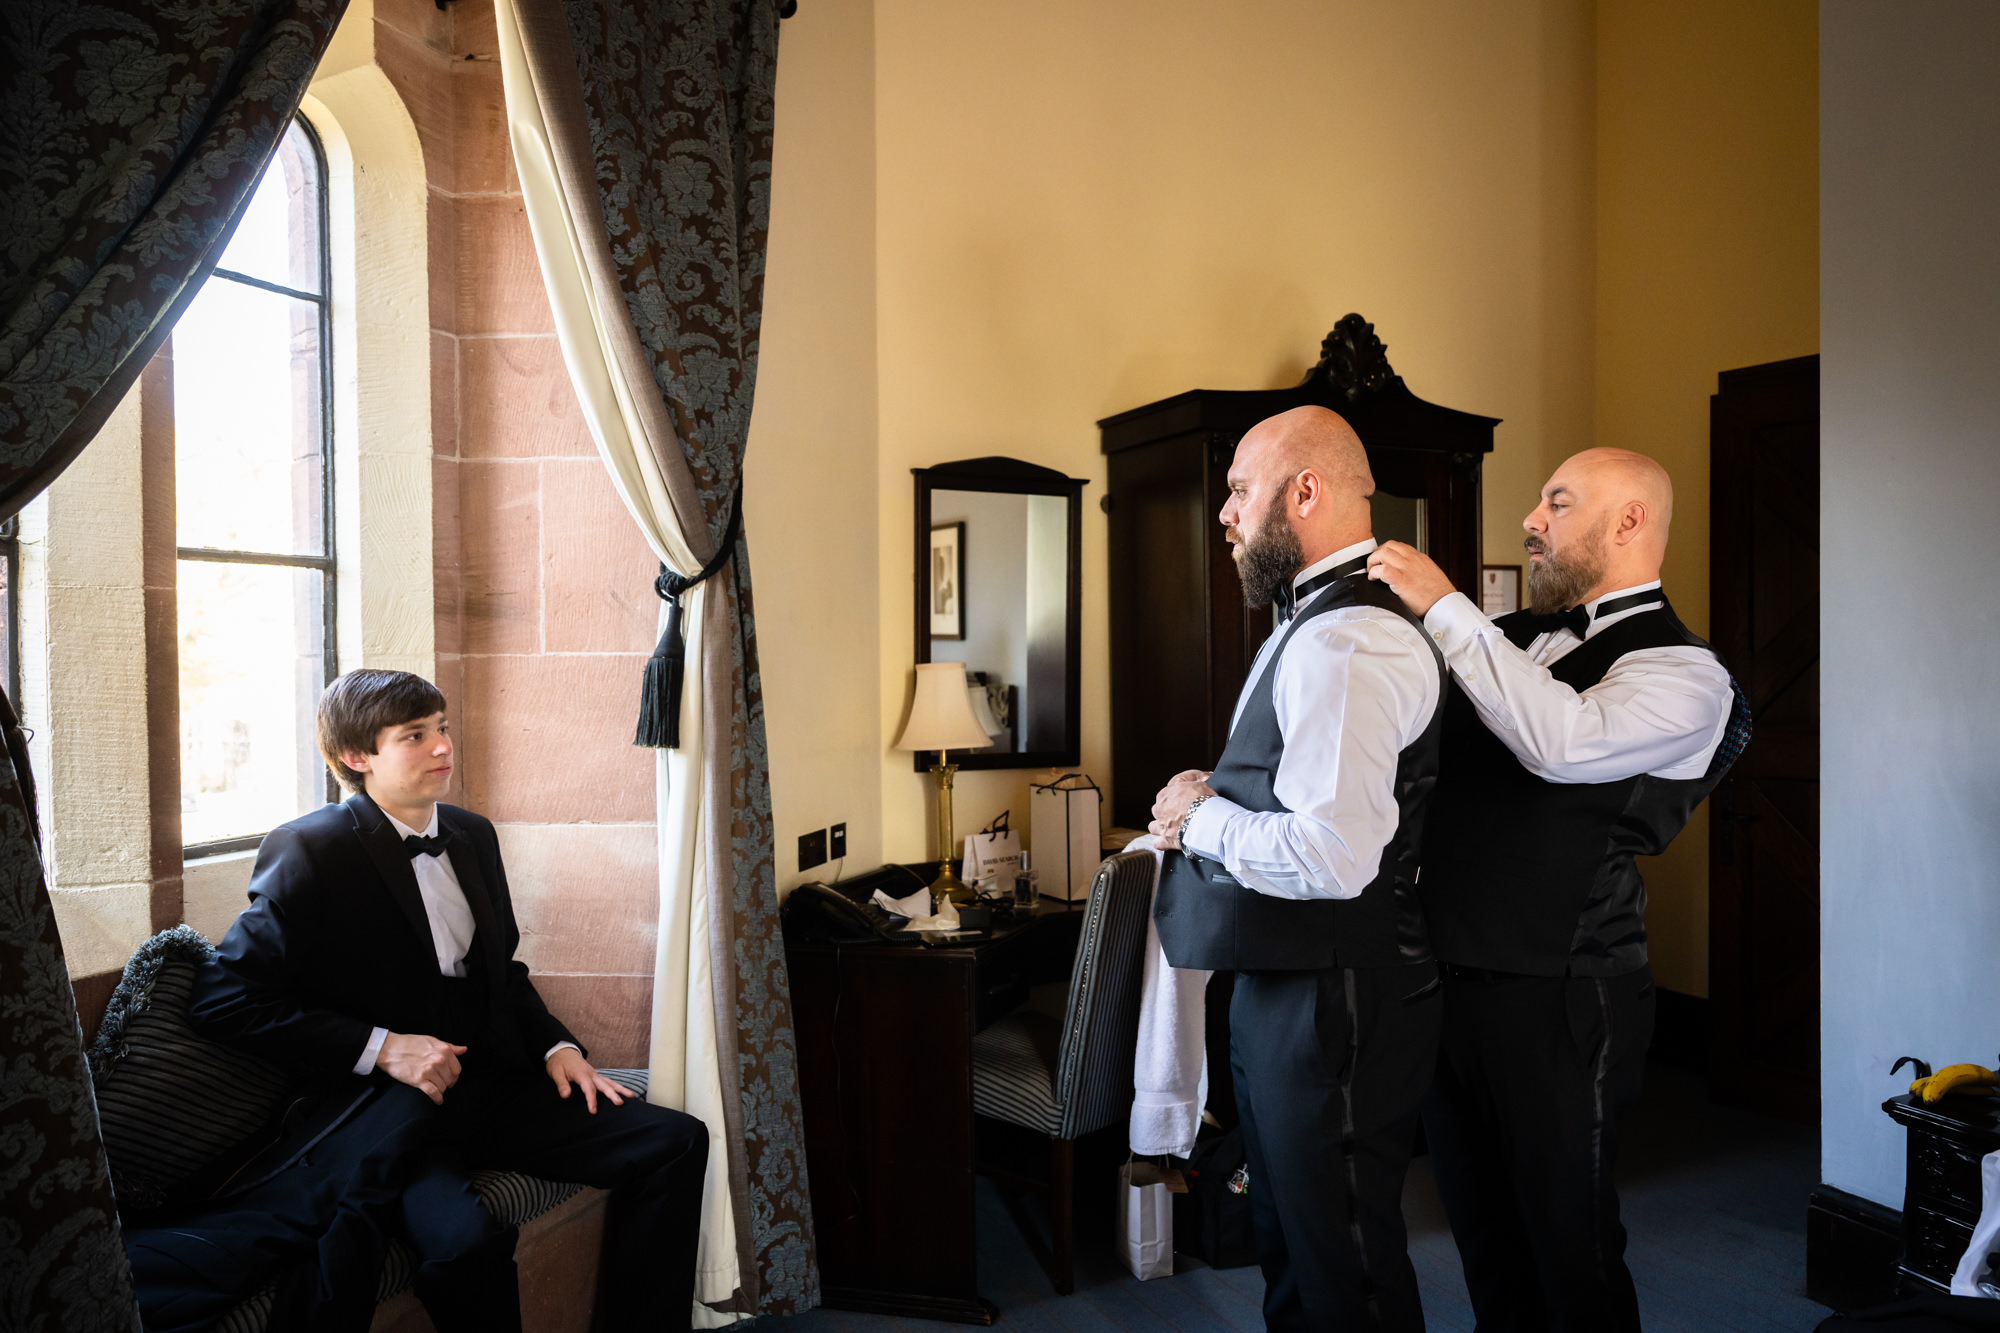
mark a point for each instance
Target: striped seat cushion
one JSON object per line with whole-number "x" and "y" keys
{"x": 1013, "y": 1075}
{"x": 171, "y": 1101}
{"x": 514, "y": 1198}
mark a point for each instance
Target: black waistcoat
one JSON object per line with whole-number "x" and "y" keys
{"x": 1528, "y": 876}
{"x": 1208, "y": 919}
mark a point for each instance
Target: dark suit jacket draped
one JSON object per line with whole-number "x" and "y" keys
{"x": 335, "y": 943}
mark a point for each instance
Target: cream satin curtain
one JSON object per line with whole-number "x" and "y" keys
{"x": 633, "y": 434}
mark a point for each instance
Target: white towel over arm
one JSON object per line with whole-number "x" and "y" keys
{"x": 1170, "y": 1070}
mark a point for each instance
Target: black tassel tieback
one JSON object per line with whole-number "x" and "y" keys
{"x": 660, "y": 692}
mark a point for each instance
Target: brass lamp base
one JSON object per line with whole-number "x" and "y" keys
{"x": 947, "y": 885}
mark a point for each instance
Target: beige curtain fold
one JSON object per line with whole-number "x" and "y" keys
{"x": 635, "y": 436}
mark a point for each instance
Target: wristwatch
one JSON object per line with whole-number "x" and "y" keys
{"x": 1180, "y": 834}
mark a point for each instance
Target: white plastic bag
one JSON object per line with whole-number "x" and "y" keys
{"x": 1145, "y": 1221}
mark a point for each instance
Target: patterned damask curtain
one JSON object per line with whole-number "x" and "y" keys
{"x": 642, "y": 134}
{"x": 133, "y": 135}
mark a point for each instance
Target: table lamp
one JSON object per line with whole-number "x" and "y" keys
{"x": 941, "y": 719}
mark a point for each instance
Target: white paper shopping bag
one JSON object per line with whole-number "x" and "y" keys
{"x": 1145, "y": 1221}
{"x": 1063, "y": 819}
{"x": 994, "y": 851}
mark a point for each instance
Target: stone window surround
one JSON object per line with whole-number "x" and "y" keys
{"x": 106, "y": 747}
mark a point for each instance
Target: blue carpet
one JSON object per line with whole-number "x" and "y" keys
{"x": 1714, "y": 1200}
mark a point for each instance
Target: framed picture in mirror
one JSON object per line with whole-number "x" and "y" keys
{"x": 947, "y": 581}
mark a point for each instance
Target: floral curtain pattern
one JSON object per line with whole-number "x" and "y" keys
{"x": 135, "y": 133}
{"x": 62, "y": 1261}
{"x": 642, "y": 134}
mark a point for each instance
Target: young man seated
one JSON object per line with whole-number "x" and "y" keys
{"x": 379, "y": 944}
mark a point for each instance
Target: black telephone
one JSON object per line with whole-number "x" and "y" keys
{"x": 817, "y": 913}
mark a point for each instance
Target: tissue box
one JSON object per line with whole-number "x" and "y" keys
{"x": 1063, "y": 821}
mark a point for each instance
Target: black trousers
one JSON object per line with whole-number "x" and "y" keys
{"x": 651, "y": 1158}
{"x": 1330, "y": 1069}
{"x": 1522, "y": 1122}
{"x": 322, "y": 1224}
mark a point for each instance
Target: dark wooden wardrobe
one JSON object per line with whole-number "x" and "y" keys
{"x": 1181, "y": 638}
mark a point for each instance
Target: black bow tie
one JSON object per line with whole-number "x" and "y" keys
{"x": 1292, "y": 596}
{"x": 417, "y": 845}
{"x": 1577, "y": 621}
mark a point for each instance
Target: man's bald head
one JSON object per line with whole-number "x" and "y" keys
{"x": 1298, "y": 491}
{"x": 1311, "y": 439}
{"x": 1620, "y": 476}
{"x": 1601, "y": 525}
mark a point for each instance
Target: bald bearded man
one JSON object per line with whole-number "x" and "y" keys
{"x": 1294, "y": 865}
{"x": 1578, "y": 735}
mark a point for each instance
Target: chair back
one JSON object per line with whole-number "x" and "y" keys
{"x": 1100, "y": 1033}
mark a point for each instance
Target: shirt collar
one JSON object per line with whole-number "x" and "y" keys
{"x": 1590, "y": 607}
{"x": 1341, "y": 556}
{"x": 405, "y": 831}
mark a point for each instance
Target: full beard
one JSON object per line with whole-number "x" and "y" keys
{"x": 1559, "y": 582}
{"x": 1270, "y": 560}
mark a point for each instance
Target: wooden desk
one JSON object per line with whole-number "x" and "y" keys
{"x": 885, "y": 1080}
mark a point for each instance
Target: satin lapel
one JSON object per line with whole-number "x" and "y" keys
{"x": 385, "y": 849}
{"x": 472, "y": 882}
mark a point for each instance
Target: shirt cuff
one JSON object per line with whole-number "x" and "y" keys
{"x": 1453, "y": 622}
{"x": 560, "y": 1046}
{"x": 371, "y": 1052}
{"x": 1204, "y": 833}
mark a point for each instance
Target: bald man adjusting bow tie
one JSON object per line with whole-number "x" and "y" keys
{"x": 1578, "y": 735}
{"x": 1294, "y": 865}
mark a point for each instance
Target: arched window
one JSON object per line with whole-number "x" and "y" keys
{"x": 254, "y": 487}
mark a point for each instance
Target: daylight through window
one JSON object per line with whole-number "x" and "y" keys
{"x": 254, "y": 491}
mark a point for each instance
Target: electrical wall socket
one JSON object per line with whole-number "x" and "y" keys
{"x": 837, "y": 843}
{"x": 812, "y": 849}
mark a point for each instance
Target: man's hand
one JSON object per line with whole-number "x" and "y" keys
{"x": 1171, "y": 805}
{"x": 568, "y": 1066}
{"x": 1411, "y": 575}
{"x": 425, "y": 1063}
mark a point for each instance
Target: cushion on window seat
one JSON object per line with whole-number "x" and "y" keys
{"x": 170, "y": 1101}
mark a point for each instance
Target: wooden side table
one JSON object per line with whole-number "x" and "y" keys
{"x": 1941, "y": 1192}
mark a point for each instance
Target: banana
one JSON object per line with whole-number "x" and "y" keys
{"x": 1957, "y": 1080}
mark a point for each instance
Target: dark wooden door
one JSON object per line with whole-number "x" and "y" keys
{"x": 1763, "y": 935}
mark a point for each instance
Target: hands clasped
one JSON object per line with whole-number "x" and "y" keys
{"x": 1170, "y": 807}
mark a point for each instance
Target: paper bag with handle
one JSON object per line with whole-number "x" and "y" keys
{"x": 1145, "y": 1221}
{"x": 994, "y": 850}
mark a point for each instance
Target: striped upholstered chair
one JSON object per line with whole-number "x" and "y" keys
{"x": 1069, "y": 1077}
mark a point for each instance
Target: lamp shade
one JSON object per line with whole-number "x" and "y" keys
{"x": 941, "y": 716}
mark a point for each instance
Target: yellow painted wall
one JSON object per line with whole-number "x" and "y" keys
{"x": 1707, "y": 260}
{"x": 993, "y": 225}
{"x": 1083, "y": 208}
{"x": 810, "y": 486}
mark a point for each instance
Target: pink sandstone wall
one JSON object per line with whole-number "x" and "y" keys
{"x": 545, "y": 608}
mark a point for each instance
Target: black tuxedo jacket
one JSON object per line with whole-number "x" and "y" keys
{"x": 335, "y": 943}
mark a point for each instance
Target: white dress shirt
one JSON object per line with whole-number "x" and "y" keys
{"x": 1352, "y": 691}
{"x": 451, "y": 922}
{"x": 1659, "y": 711}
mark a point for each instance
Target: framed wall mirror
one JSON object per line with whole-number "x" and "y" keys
{"x": 999, "y": 587}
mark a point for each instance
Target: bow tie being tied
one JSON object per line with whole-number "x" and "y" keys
{"x": 1291, "y": 597}
{"x": 417, "y": 845}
